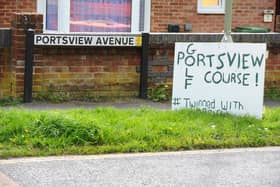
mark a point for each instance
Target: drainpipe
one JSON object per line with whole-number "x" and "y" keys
{"x": 228, "y": 20}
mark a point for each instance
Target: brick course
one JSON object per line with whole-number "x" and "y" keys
{"x": 95, "y": 71}
{"x": 245, "y": 13}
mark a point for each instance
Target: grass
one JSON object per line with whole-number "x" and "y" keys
{"x": 108, "y": 130}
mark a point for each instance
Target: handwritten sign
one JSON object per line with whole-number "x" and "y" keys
{"x": 88, "y": 40}
{"x": 219, "y": 77}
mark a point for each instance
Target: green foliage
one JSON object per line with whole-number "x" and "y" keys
{"x": 159, "y": 93}
{"x": 108, "y": 130}
{"x": 52, "y": 96}
{"x": 9, "y": 101}
{"x": 272, "y": 93}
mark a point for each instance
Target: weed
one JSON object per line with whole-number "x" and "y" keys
{"x": 9, "y": 101}
{"x": 52, "y": 96}
{"x": 159, "y": 93}
{"x": 272, "y": 93}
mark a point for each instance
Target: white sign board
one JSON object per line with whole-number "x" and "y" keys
{"x": 88, "y": 40}
{"x": 219, "y": 77}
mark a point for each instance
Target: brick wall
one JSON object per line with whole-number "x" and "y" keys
{"x": 277, "y": 26}
{"x": 5, "y": 72}
{"x": 9, "y": 7}
{"x": 103, "y": 71}
{"x": 161, "y": 68}
{"x": 18, "y": 26}
{"x": 273, "y": 69}
{"x": 245, "y": 13}
{"x": 73, "y": 70}
{"x": 90, "y": 71}
{"x": 161, "y": 57}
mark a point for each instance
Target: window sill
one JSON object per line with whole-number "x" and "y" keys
{"x": 210, "y": 11}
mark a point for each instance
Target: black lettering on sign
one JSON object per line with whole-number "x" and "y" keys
{"x": 45, "y": 39}
{"x": 105, "y": 40}
{"x": 125, "y": 41}
{"x": 81, "y": 41}
{"x": 52, "y": 40}
{"x": 111, "y": 41}
{"x": 88, "y": 40}
{"x": 64, "y": 40}
{"x": 131, "y": 41}
{"x": 71, "y": 40}
{"x": 118, "y": 41}
{"x": 38, "y": 39}
{"x": 58, "y": 39}
{"x": 98, "y": 41}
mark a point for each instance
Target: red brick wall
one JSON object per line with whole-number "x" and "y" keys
{"x": 77, "y": 71}
{"x": 97, "y": 71}
{"x": 9, "y": 7}
{"x": 245, "y": 12}
{"x": 277, "y": 26}
{"x": 161, "y": 61}
{"x": 87, "y": 71}
{"x": 273, "y": 69}
{"x": 5, "y": 72}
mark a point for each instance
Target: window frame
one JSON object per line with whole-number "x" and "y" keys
{"x": 64, "y": 16}
{"x": 220, "y": 9}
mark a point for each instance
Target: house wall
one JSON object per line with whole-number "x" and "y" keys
{"x": 5, "y": 72}
{"x": 245, "y": 13}
{"x": 97, "y": 71}
{"x": 87, "y": 72}
{"x": 77, "y": 71}
{"x": 161, "y": 59}
{"x": 9, "y": 7}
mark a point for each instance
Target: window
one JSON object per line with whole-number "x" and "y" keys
{"x": 51, "y": 15}
{"x": 95, "y": 15}
{"x": 211, "y": 6}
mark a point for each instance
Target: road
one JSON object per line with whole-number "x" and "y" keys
{"x": 231, "y": 167}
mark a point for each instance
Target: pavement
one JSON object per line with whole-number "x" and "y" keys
{"x": 232, "y": 167}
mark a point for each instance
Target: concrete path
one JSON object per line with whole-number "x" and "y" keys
{"x": 235, "y": 167}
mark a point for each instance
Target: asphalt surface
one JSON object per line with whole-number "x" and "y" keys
{"x": 235, "y": 167}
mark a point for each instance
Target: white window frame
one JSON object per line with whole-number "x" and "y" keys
{"x": 64, "y": 15}
{"x": 220, "y": 9}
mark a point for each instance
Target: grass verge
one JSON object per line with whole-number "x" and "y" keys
{"x": 108, "y": 130}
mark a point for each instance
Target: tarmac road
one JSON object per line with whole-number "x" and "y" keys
{"x": 234, "y": 167}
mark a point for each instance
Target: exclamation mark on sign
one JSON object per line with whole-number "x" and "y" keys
{"x": 257, "y": 79}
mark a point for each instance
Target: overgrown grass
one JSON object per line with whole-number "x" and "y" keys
{"x": 108, "y": 130}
